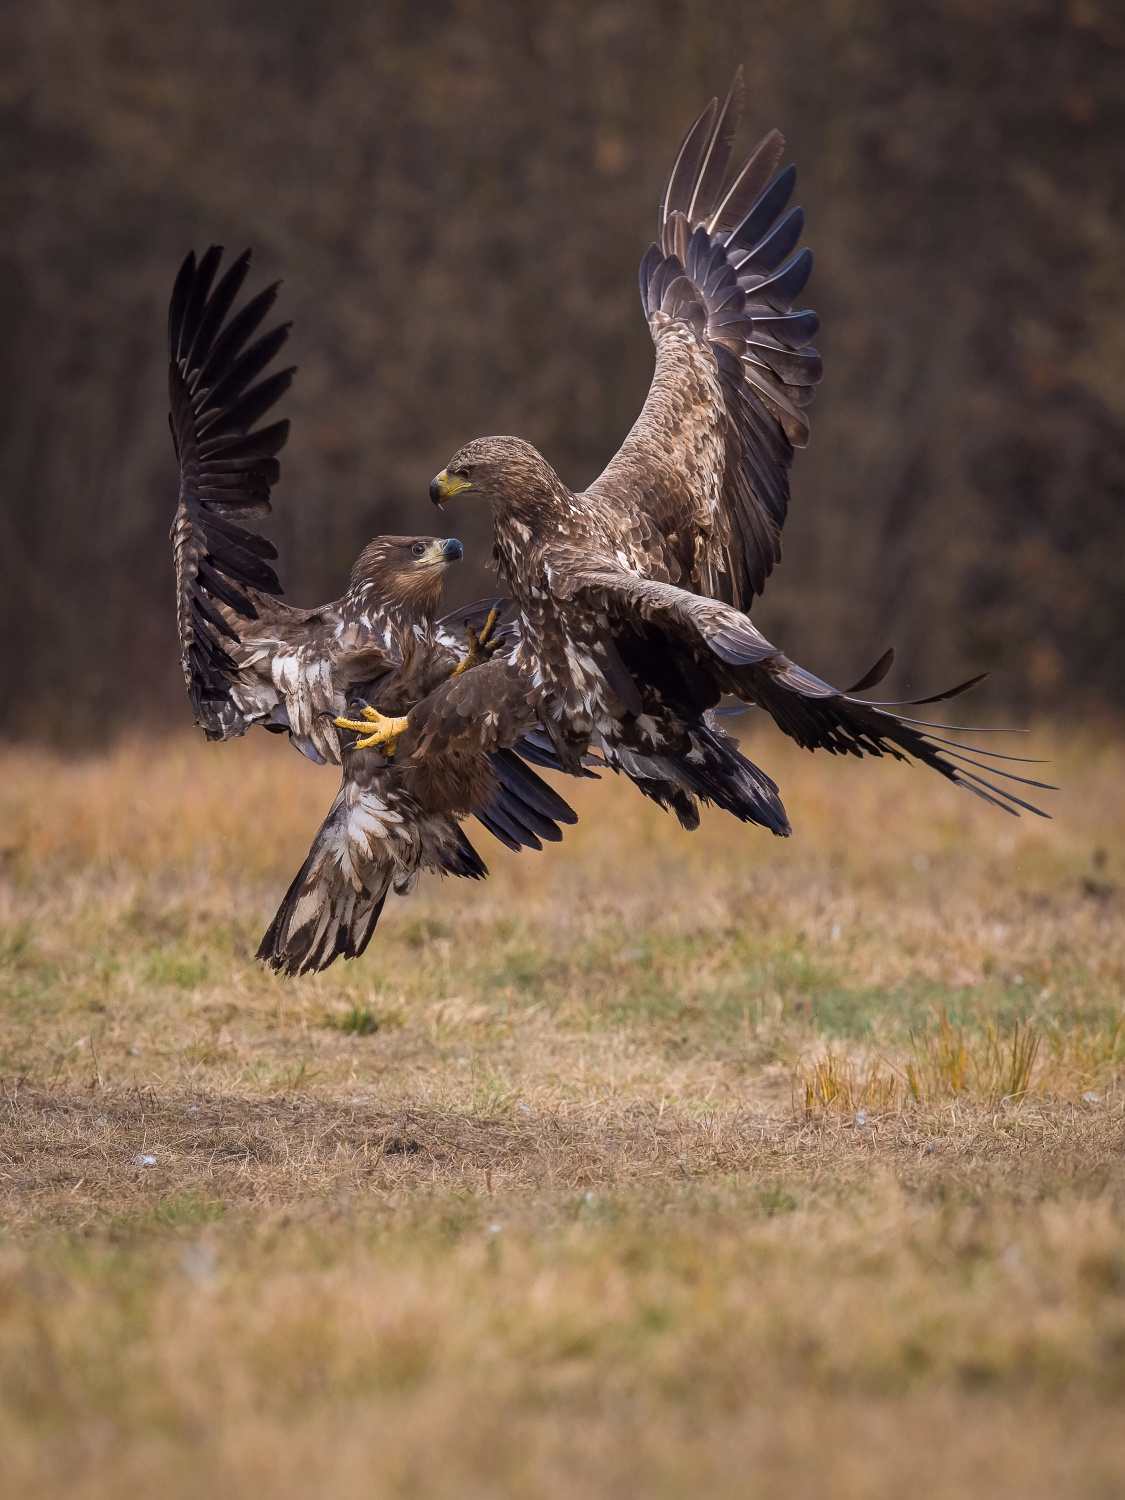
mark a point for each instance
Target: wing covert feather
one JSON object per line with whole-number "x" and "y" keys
{"x": 487, "y": 709}
{"x": 606, "y": 587}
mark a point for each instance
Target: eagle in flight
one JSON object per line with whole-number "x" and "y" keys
{"x": 363, "y": 662}
{"x": 628, "y": 619}
{"x": 250, "y": 659}
{"x": 632, "y": 596}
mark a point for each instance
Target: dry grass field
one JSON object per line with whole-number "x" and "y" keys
{"x": 657, "y": 1165}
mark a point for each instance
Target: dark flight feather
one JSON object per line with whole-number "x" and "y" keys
{"x": 219, "y": 304}
{"x": 874, "y": 675}
{"x": 713, "y": 169}
{"x": 234, "y": 336}
{"x": 532, "y": 790}
{"x": 504, "y": 824}
{"x": 225, "y": 469}
{"x": 195, "y": 302}
{"x": 782, "y": 289}
{"x": 747, "y": 186}
{"x": 247, "y": 367}
{"x": 763, "y": 213}
{"x": 690, "y": 157}
{"x": 781, "y": 241}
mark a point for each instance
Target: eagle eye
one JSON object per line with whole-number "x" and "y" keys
{"x": 418, "y": 548}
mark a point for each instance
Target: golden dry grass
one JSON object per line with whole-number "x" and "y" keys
{"x": 657, "y": 1165}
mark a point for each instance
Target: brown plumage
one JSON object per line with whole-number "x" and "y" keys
{"x": 631, "y": 594}
{"x": 708, "y": 459}
{"x": 250, "y": 659}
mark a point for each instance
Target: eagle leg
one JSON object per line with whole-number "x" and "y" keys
{"x": 481, "y": 646}
{"x": 375, "y": 728}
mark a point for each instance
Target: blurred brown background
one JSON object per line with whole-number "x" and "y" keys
{"x": 457, "y": 195}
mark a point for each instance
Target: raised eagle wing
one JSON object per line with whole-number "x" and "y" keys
{"x": 247, "y": 658}
{"x": 708, "y": 459}
{"x": 226, "y": 470}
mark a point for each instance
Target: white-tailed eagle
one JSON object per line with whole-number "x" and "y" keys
{"x": 378, "y": 651}
{"x": 632, "y": 595}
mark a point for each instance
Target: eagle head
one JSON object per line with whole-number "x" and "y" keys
{"x": 505, "y": 471}
{"x": 407, "y": 570}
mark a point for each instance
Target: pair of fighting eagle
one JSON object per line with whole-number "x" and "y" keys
{"x": 626, "y": 621}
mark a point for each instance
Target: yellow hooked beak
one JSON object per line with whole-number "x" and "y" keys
{"x": 445, "y": 485}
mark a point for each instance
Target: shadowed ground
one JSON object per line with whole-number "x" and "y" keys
{"x": 658, "y": 1165}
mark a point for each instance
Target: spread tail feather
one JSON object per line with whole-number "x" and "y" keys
{"x": 718, "y": 772}
{"x": 331, "y": 908}
{"x": 322, "y": 916}
{"x": 712, "y": 770}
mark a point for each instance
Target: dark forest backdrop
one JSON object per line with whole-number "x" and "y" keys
{"x": 457, "y": 195}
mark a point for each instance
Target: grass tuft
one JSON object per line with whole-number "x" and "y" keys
{"x": 360, "y": 1019}
{"x": 836, "y": 1084}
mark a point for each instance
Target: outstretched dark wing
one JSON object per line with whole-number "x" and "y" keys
{"x": 709, "y": 456}
{"x": 226, "y": 468}
{"x": 820, "y": 717}
{"x": 523, "y": 810}
{"x": 728, "y": 654}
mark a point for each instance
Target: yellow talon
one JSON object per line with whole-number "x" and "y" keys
{"x": 477, "y": 643}
{"x": 375, "y": 729}
{"x": 489, "y": 625}
{"x": 470, "y": 659}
